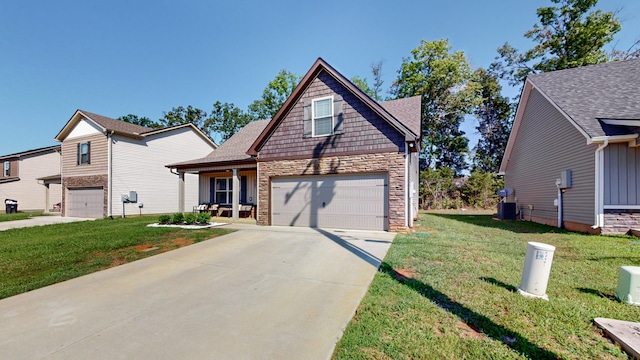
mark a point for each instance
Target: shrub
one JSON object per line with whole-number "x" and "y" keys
{"x": 203, "y": 218}
{"x": 177, "y": 218}
{"x": 164, "y": 219}
{"x": 190, "y": 218}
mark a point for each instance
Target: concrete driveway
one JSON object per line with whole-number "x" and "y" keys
{"x": 259, "y": 293}
{"x": 39, "y": 221}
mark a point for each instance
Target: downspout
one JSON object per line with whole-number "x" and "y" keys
{"x": 407, "y": 202}
{"x": 599, "y": 186}
{"x": 559, "y": 204}
{"x": 109, "y": 173}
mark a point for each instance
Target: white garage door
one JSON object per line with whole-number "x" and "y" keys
{"x": 341, "y": 201}
{"x": 86, "y": 202}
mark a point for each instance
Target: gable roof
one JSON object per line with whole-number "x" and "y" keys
{"x": 122, "y": 128}
{"x": 407, "y": 109}
{"x": 596, "y": 99}
{"x": 31, "y": 152}
{"x": 590, "y": 94}
{"x": 234, "y": 150}
{"x": 319, "y": 66}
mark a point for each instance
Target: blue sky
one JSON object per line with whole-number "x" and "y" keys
{"x": 145, "y": 57}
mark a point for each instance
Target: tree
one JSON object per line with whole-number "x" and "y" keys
{"x": 226, "y": 119}
{"x": 374, "y": 90}
{"x": 180, "y": 115}
{"x": 444, "y": 80}
{"x": 568, "y": 36}
{"x": 274, "y": 95}
{"x": 494, "y": 123}
{"x": 142, "y": 121}
{"x": 480, "y": 189}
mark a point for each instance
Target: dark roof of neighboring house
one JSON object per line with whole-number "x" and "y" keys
{"x": 590, "y": 94}
{"x": 122, "y": 128}
{"x": 407, "y": 110}
{"x": 404, "y": 126}
{"x": 32, "y": 152}
{"x": 232, "y": 150}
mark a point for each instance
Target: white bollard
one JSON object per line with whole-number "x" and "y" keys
{"x": 537, "y": 267}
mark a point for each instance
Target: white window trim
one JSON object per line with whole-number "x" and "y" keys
{"x": 7, "y": 169}
{"x": 313, "y": 116}
{"x": 80, "y": 162}
{"x": 229, "y": 190}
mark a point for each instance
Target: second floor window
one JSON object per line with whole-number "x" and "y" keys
{"x": 323, "y": 117}
{"x": 84, "y": 152}
{"x": 7, "y": 169}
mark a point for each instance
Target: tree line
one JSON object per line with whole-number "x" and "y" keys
{"x": 569, "y": 33}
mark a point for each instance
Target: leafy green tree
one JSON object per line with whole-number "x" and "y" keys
{"x": 226, "y": 119}
{"x": 142, "y": 121}
{"x": 494, "y": 123}
{"x": 274, "y": 95}
{"x": 180, "y": 115}
{"x": 374, "y": 91}
{"x": 444, "y": 80}
{"x": 568, "y": 36}
{"x": 480, "y": 189}
{"x": 437, "y": 189}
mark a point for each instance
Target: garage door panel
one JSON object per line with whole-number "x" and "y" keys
{"x": 350, "y": 202}
{"x": 86, "y": 203}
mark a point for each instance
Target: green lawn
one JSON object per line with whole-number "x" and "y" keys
{"x": 449, "y": 292}
{"x": 19, "y": 216}
{"x": 34, "y": 257}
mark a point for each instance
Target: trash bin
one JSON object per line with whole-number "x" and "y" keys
{"x": 537, "y": 267}
{"x": 11, "y": 206}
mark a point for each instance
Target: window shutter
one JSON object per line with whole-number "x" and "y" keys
{"x": 89, "y": 152}
{"x": 306, "y": 120}
{"x": 212, "y": 190}
{"x": 78, "y": 155}
{"x": 338, "y": 119}
{"x": 243, "y": 189}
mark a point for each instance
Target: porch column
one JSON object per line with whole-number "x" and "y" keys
{"x": 46, "y": 197}
{"x": 181, "y": 191}
{"x": 236, "y": 195}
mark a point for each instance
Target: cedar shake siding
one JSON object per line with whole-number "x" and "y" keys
{"x": 547, "y": 144}
{"x": 364, "y": 131}
{"x": 98, "y": 156}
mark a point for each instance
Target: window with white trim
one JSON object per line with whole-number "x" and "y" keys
{"x": 7, "y": 169}
{"x": 224, "y": 190}
{"x": 322, "y": 115}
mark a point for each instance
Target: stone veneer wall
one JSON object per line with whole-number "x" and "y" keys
{"x": 390, "y": 163}
{"x": 620, "y": 221}
{"x": 90, "y": 181}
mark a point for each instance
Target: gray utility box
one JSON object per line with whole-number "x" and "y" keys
{"x": 506, "y": 211}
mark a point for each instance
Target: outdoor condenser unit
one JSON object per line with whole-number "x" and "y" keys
{"x": 628, "y": 289}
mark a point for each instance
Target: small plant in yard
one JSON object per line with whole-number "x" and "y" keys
{"x": 177, "y": 218}
{"x": 164, "y": 219}
{"x": 189, "y": 218}
{"x": 203, "y": 218}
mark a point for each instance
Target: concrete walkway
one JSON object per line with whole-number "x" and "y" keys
{"x": 39, "y": 221}
{"x": 259, "y": 293}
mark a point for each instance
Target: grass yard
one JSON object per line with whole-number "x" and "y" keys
{"x": 19, "y": 216}
{"x": 450, "y": 293}
{"x": 35, "y": 257}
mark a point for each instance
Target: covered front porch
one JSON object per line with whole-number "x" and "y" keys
{"x": 227, "y": 193}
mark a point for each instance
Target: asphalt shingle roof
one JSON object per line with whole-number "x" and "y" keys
{"x": 116, "y": 125}
{"x": 406, "y": 111}
{"x": 235, "y": 148}
{"x": 590, "y": 93}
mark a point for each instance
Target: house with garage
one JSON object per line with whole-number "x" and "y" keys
{"x": 104, "y": 159}
{"x": 32, "y": 178}
{"x": 573, "y": 155}
{"x": 331, "y": 157}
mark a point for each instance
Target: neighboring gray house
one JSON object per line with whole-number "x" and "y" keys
{"x": 32, "y": 178}
{"x": 331, "y": 157}
{"x": 585, "y": 120}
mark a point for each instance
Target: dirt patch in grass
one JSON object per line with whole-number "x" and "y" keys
{"x": 404, "y": 274}
{"x": 117, "y": 261}
{"x": 180, "y": 242}
{"x": 374, "y": 353}
{"x": 469, "y": 331}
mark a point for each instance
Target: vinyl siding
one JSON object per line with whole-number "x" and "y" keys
{"x": 621, "y": 175}
{"x": 29, "y": 194}
{"x": 98, "y": 156}
{"x": 205, "y": 185}
{"x": 364, "y": 131}
{"x": 546, "y": 144}
{"x": 139, "y": 165}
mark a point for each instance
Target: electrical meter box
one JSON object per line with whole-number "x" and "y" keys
{"x": 565, "y": 179}
{"x": 628, "y": 289}
{"x": 133, "y": 196}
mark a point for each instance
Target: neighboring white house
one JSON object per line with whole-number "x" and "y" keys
{"x": 103, "y": 159}
{"x": 32, "y": 178}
